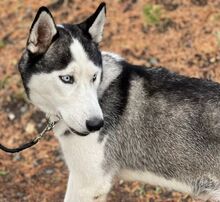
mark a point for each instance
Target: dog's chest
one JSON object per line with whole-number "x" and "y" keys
{"x": 80, "y": 153}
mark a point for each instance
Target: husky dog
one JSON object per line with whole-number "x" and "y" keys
{"x": 119, "y": 119}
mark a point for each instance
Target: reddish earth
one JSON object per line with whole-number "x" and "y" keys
{"x": 186, "y": 39}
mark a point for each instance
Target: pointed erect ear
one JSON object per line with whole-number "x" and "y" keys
{"x": 42, "y": 31}
{"x": 94, "y": 25}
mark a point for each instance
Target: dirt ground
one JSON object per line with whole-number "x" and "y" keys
{"x": 184, "y": 37}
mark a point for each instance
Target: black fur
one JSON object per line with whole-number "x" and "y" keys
{"x": 84, "y": 26}
{"x": 119, "y": 86}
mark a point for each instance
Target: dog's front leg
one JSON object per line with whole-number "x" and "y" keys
{"x": 70, "y": 195}
{"x": 88, "y": 182}
{"x": 76, "y": 192}
{"x": 83, "y": 189}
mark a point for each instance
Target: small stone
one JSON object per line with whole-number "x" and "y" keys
{"x": 11, "y": 116}
{"x": 20, "y": 194}
{"x": 17, "y": 157}
{"x": 121, "y": 182}
{"x": 49, "y": 171}
{"x": 23, "y": 109}
{"x": 37, "y": 162}
{"x": 147, "y": 64}
{"x": 212, "y": 60}
{"x": 153, "y": 61}
{"x": 145, "y": 29}
{"x": 199, "y": 2}
{"x": 30, "y": 128}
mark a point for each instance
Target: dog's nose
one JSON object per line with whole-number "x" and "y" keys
{"x": 94, "y": 124}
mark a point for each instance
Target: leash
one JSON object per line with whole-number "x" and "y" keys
{"x": 49, "y": 127}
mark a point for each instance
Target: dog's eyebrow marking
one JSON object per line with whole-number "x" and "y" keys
{"x": 80, "y": 56}
{"x": 79, "y": 53}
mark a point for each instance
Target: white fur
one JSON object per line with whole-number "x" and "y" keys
{"x": 153, "y": 179}
{"x": 97, "y": 27}
{"x": 111, "y": 70}
{"x": 213, "y": 196}
{"x": 115, "y": 56}
{"x": 44, "y": 21}
{"x": 84, "y": 157}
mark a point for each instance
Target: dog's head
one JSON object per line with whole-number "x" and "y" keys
{"x": 61, "y": 69}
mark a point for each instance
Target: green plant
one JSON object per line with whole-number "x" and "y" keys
{"x": 2, "y": 43}
{"x": 4, "y": 82}
{"x": 152, "y": 14}
{"x": 3, "y": 173}
{"x": 217, "y": 34}
{"x": 215, "y": 17}
{"x": 20, "y": 95}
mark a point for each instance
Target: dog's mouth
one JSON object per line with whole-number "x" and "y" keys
{"x": 78, "y": 133}
{"x": 70, "y": 129}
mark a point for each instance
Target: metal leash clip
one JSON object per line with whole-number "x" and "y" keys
{"x": 49, "y": 127}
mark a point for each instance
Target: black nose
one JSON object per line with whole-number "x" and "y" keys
{"x": 94, "y": 124}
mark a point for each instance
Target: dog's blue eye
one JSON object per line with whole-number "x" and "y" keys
{"x": 67, "y": 79}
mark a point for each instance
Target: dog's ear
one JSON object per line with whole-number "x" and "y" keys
{"x": 94, "y": 25}
{"x": 42, "y": 32}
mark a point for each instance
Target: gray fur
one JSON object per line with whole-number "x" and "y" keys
{"x": 168, "y": 130}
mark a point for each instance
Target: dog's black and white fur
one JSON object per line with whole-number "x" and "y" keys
{"x": 159, "y": 127}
